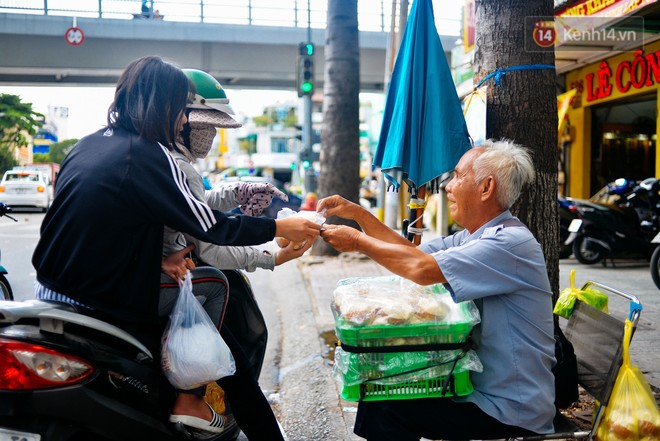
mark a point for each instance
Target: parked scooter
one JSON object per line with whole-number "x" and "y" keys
{"x": 622, "y": 226}
{"x": 5, "y": 289}
{"x": 67, "y": 376}
{"x": 655, "y": 262}
{"x": 567, "y": 213}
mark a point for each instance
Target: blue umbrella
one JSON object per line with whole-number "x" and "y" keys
{"x": 424, "y": 132}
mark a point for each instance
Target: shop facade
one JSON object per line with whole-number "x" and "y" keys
{"x": 612, "y": 121}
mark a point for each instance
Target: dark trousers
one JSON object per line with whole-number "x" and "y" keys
{"x": 245, "y": 397}
{"x": 432, "y": 418}
{"x": 242, "y": 391}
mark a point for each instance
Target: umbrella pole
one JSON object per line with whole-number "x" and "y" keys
{"x": 416, "y": 215}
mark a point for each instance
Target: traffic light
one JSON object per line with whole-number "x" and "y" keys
{"x": 305, "y": 77}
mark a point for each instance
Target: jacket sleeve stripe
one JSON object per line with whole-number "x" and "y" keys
{"x": 201, "y": 211}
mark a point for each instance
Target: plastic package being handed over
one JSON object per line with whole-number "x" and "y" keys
{"x": 305, "y": 214}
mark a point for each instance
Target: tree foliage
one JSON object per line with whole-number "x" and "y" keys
{"x": 17, "y": 121}
{"x": 59, "y": 150}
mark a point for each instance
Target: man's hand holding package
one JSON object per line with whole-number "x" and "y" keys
{"x": 338, "y": 206}
{"x": 341, "y": 237}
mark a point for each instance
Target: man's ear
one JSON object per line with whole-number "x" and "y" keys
{"x": 487, "y": 188}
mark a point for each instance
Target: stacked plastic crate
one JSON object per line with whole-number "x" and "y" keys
{"x": 400, "y": 340}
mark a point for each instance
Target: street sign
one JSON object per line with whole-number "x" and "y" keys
{"x": 74, "y": 36}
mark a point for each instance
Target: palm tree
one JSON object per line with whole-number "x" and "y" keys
{"x": 340, "y": 153}
{"x": 523, "y": 107}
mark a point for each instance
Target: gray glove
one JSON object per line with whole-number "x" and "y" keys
{"x": 253, "y": 197}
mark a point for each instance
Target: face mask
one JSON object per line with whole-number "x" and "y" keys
{"x": 201, "y": 139}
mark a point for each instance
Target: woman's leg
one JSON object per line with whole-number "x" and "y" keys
{"x": 210, "y": 289}
{"x": 247, "y": 401}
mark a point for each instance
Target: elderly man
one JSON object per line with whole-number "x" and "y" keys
{"x": 494, "y": 261}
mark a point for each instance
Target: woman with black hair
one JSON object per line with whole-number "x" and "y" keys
{"x": 101, "y": 240}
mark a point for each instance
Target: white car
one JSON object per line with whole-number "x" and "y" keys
{"x": 25, "y": 188}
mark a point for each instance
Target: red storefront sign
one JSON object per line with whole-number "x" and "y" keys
{"x": 642, "y": 71}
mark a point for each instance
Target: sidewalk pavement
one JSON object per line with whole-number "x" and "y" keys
{"x": 322, "y": 274}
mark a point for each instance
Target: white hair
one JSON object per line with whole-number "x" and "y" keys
{"x": 511, "y": 166}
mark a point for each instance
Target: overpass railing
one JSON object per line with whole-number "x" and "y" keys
{"x": 373, "y": 15}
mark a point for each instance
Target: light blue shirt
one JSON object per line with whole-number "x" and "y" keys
{"x": 503, "y": 270}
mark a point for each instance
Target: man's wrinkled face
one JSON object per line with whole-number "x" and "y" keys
{"x": 462, "y": 190}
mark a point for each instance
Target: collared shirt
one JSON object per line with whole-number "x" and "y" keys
{"x": 503, "y": 270}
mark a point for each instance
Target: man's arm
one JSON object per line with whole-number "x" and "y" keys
{"x": 405, "y": 260}
{"x": 338, "y": 206}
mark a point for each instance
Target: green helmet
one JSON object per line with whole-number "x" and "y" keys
{"x": 209, "y": 93}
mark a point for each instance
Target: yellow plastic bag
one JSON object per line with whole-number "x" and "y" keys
{"x": 568, "y": 296}
{"x": 632, "y": 414}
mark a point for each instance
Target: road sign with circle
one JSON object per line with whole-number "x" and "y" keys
{"x": 74, "y": 36}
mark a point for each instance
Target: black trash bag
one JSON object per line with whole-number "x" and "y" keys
{"x": 565, "y": 371}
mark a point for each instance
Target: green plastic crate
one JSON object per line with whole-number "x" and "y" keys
{"x": 401, "y": 375}
{"x": 406, "y": 334}
{"x": 396, "y": 335}
{"x": 429, "y": 388}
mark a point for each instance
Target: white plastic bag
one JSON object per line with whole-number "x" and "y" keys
{"x": 192, "y": 351}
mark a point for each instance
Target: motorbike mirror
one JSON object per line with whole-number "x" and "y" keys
{"x": 4, "y": 209}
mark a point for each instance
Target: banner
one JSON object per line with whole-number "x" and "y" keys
{"x": 563, "y": 103}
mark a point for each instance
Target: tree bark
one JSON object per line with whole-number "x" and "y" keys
{"x": 340, "y": 152}
{"x": 523, "y": 108}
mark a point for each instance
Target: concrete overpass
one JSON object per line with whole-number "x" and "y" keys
{"x": 33, "y": 51}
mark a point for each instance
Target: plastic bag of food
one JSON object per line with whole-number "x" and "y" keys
{"x": 568, "y": 296}
{"x": 394, "y": 368}
{"x": 192, "y": 351}
{"x": 632, "y": 413}
{"x": 393, "y": 300}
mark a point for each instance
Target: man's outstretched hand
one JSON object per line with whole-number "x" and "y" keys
{"x": 341, "y": 237}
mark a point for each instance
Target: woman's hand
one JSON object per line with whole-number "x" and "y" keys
{"x": 254, "y": 197}
{"x": 338, "y": 206}
{"x": 341, "y": 237}
{"x": 292, "y": 251}
{"x": 297, "y": 229}
{"x": 176, "y": 265}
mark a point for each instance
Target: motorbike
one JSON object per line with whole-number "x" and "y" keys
{"x": 68, "y": 376}
{"x": 5, "y": 288}
{"x": 619, "y": 221}
{"x": 655, "y": 262}
{"x": 567, "y": 213}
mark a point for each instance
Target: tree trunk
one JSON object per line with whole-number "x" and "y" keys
{"x": 340, "y": 151}
{"x": 523, "y": 108}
